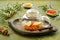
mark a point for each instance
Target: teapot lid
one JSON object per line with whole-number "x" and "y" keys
{"x": 32, "y": 10}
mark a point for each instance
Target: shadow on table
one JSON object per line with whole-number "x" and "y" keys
{"x": 36, "y": 36}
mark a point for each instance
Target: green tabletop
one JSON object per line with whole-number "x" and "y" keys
{"x": 15, "y": 36}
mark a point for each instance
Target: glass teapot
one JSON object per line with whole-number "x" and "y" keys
{"x": 34, "y": 14}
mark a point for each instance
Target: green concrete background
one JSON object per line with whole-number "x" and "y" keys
{"x": 30, "y": 0}
{"x": 14, "y": 36}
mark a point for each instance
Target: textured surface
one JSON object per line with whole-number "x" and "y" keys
{"x": 14, "y": 36}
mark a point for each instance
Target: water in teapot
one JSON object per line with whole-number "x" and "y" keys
{"x": 35, "y": 14}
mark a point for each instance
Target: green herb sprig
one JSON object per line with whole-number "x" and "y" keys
{"x": 10, "y": 9}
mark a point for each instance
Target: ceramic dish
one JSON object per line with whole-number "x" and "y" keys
{"x": 27, "y": 5}
{"x": 18, "y": 27}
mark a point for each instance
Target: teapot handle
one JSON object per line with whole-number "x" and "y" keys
{"x": 45, "y": 18}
